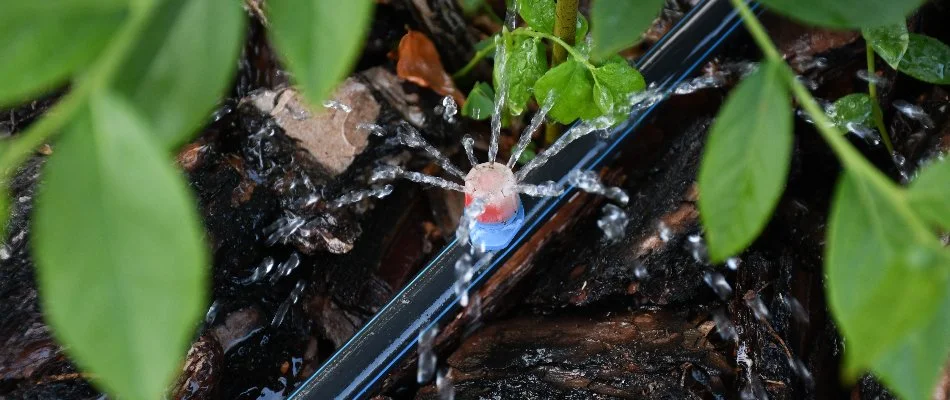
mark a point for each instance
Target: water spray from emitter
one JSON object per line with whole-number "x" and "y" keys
{"x": 493, "y": 212}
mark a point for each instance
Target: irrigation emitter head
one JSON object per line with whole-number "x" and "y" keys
{"x": 494, "y": 184}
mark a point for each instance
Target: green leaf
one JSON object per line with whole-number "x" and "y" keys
{"x": 885, "y": 269}
{"x": 538, "y": 14}
{"x": 121, "y": 261}
{"x": 888, "y": 41}
{"x": 572, "y": 86}
{"x": 182, "y": 64}
{"x": 525, "y": 62}
{"x": 745, "y": 162}
{"x": 929, "y": 194}
{"x": 319, "y": 40}
{"x": 618, "y": 24}
{"x": 528, "y": 154}
{"x": 854, "y": 108}
{"x": 614, "y": 82}
{"x": 480, "y": 102}
{"x": 845, "y": 14}
{"x": 912, "y": 366}
{"x": 44, "y": 42}
{"x": 927, "y": 59}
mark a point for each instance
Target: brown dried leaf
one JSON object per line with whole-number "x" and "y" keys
{"x": 419, "y": 63}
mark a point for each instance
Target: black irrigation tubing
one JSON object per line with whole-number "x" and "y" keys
{"x": 357, "y": 367}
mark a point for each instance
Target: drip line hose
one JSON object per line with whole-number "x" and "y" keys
{"x": 357, "y": 368}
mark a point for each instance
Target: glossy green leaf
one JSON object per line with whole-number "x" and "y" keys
{"x": 525, "y": 62}
{"x": 319, "y": 40}
{"x": 854, "y": 108}
{"x": 571, "y": 85}
{"x": 745, "y": 162}
{"x": 182, "y": 64}
{"x": 538, "y": 14}
{"x": 45, "y": 42}
{"x": 480, "y": 103}
{"x": 927, "y": 59}
{"x": 120, "y": 254}
{"x": 888, "y": 41}
{"x": 618, "y": 24}
{"x": 929, "y": 194}
{"x": 614, "y": 82}
{"x": 847, "y": 14}
{"x": 885, "y": 269}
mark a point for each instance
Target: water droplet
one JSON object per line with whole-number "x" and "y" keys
{"x": 640, "y": 272}
{"x": 589, "y": 181}
{"x": 212, "y": 312}
{"x": 468, "y": 220}
{"x": 759, "y": 309}
{"x": 865, "y": 132}
{"x": 336, "y": 105}
{"x": 283, "y": 228}
{"x": 463, "y": 275}
{"x": 546, "y": 189}
{"x": 410, "y": 137}
{"x": 727, "y": 331}
{"x": 444, "y": 386}
{"x": 733, "y": 263}
{"x": 802, "y": 371}
{"x": 427, "y": 357}
{"x": 901, "y": 164}
{"x": 285, "y": 305}
{"x": 468, "y": 142}
{"x": 664, "y": 231}
{"x": 389, "y": 172}
{"x": 914, "y": 112}
{"x": 613, "y": 222}
{"x": 810, "y": 63}
{"x": 359, "y": 195}
{"x": 742, "y": 356}
{"x": 797, "y": 310}
{"x": 718, "y": 284}
{"x": 700, "y": 83}
{"x": 450, "y": 108}
{"x": 807, "y": 82}
{"x": 697, "y": 247}
{"x": 376, "y": 130}
{"x": 535, "y": 123}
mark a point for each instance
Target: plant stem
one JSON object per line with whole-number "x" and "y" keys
{"x": 849, "y": 156}
{"x": 479, "y": 55}
{"x": 14, "y": 151}
{"x": 565, "y": 28}
{"x": 875, "y": 104}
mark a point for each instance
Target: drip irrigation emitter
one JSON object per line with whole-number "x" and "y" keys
{"x": 503, "y": 214}
{"x": 359, "y": 365}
